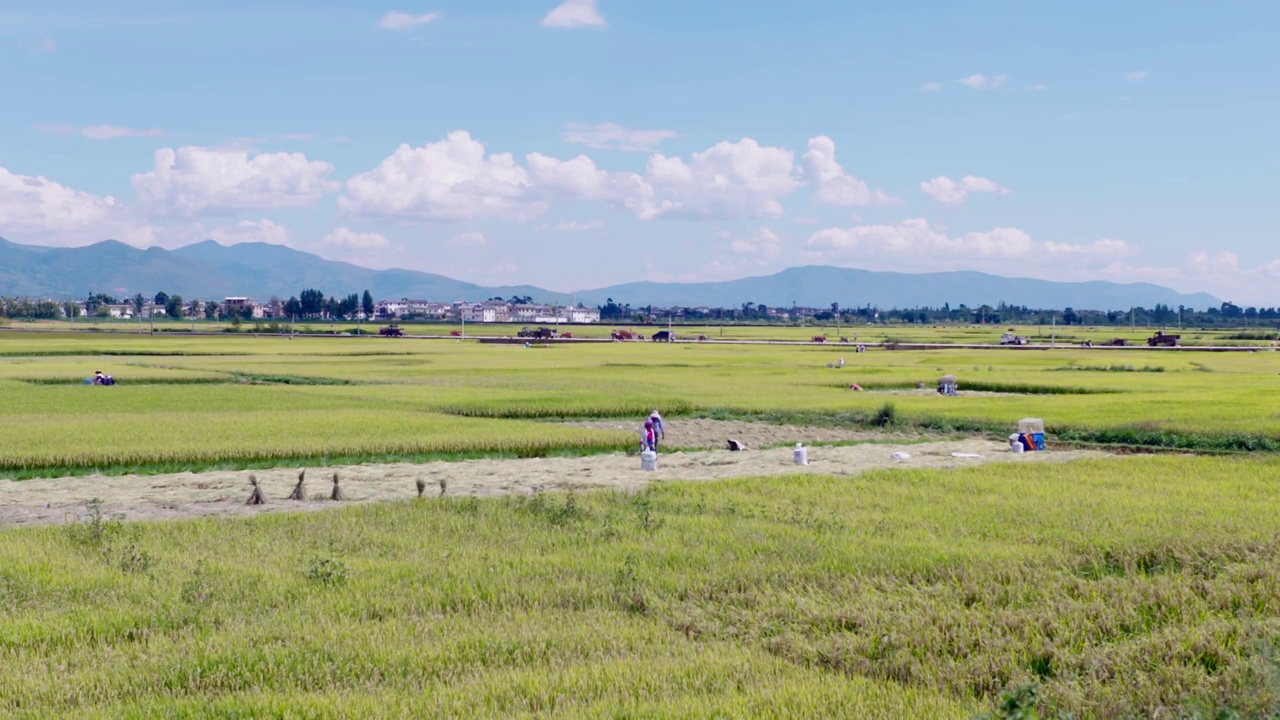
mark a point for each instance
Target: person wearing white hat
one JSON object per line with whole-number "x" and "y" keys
{"x": 659, "y": 433}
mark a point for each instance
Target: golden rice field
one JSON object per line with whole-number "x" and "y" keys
{"x": 1132, "y": 586}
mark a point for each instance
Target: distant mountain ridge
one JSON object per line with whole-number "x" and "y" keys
{"x": 208, "y": 270}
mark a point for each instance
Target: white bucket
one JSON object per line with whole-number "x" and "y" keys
{"x": 800, "y": 455}
{"x": 649, "y": 460}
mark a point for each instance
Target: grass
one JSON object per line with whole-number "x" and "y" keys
{"x": 1134, "y": 587}
{"x": 206, "y": 400}
{"x": 1119, "y": 588}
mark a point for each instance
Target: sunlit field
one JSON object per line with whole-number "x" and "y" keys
{"x": 222, "y": 399}
{"x": 1133, "y": 586}
{"x": 867, "y": 333}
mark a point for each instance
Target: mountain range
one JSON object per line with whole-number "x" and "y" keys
{"x": 209, "y": 270}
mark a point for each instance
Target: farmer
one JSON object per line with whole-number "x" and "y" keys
{"x": 99, "y": 378}
{"x": 659, "y": 432}
{"x": 648, "y": 440}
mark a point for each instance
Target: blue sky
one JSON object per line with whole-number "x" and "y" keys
{"x": 584, "y": 144}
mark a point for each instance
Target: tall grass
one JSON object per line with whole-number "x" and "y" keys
{"x": 1120, "y": 588}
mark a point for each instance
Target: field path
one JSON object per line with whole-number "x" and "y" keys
{"x": 223, "y": 493}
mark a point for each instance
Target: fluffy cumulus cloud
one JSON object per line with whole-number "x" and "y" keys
{"x": 191, "y": 181}
{"x": 32, "y": 205}
{"x": 457, "y": 179}
{"x": 39, "y": 210}
{"x": 403, "y": 21}
{"x": 728, "y": 180}
{"x": 574, "y": 14}
{"x": 978, "y": 81}
{"x": 612, "y": 136}
{"x": 101, "y": 132}
{"x": 831, "y": 184}
{"x": 454, "y": 179}
{"x": 264, "y": 231}
{"x": 344, "y": 237}
{"x": 955, "y": 192}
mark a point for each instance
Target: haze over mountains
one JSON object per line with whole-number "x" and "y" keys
{"x": 208, "y": 270}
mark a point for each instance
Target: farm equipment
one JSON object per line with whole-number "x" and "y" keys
{"x": 624, "y": 335}
{"x": 542, "y": 333}
{"x": 663, "y": 336}
{"x": 819, "y": 338}
{"x": 1010, "y": 339}
{"x": 391, "y": 330}
{"x": 1162, "y": 340}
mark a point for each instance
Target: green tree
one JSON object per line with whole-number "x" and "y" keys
{"x": 366, "y": 303}
{"x": 173, "y": 306}
{"x": 138, "y": 302}
{"x": 312, "y": 302}
{"x": 161, "y": 298}
{"x": 211, "y": 309}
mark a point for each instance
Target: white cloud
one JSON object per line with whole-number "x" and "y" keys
{"x": 802, "y": 220}
{"x": 38, "y": 210}
{"x": 978, "y": 81}
{"x": 101, "y": 132}
{"x": 1137, "y": 76}
{"x": 763, "y": 243}
{"x": 1219, "y": 273}
{"x": 832, "y": 185}
{"x": 574, "y": 14}
{"x": 917, "y": 242}
{"x": 191, "y": 181}
{"x": 264, "y": 231}
{"x": 403, "y": 21}
{"x": 344, "y": 237}
{"x": 38, "y": 206}
{"x": 612, "y": 136}
{"x": 725, "y": 181}
{"x": 953, "y": 193}
{"x": 453, "y": 179}
{"x": 571, "y": 226}
{"x": 931, "y": 87}
{"x": 1038, "y": 87}
{"x": 469, "y": 239}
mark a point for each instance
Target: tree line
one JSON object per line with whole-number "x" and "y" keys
{"x": 1161, "y": 315}
{"x": 312, "y": 303}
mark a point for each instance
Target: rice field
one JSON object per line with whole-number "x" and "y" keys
{"x": 219, "y": 401}
{"x": 1134, "y": 586}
